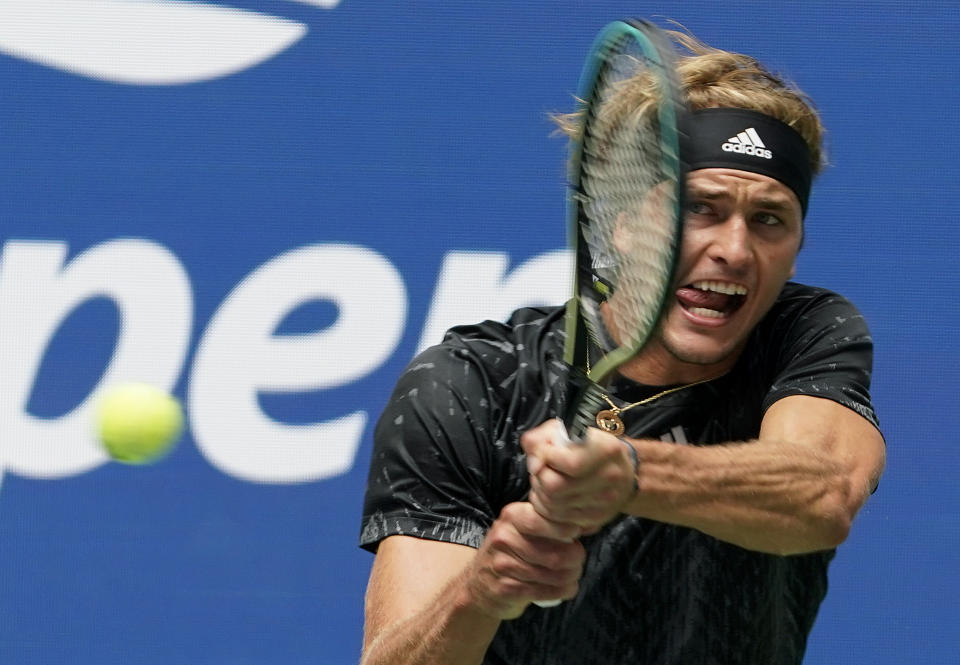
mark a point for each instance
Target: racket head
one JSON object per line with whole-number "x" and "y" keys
{"x": 625, "y": 205}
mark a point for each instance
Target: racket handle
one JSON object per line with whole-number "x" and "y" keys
{"x": 547, "y": 603}
{"x": 584, "y": 400}
{"x": 563, "y": 438}
{"x": 563, "y": 435}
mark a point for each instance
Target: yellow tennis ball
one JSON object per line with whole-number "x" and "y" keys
{"x": 138, "y": 423}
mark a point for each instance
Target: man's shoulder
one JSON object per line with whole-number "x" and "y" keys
{"x": 499, "y": 348}
{"x": 803, "y": 320}
{"x": 795, "y": 292}
{"x": 524, "y": 328}
{"x": 804, "y": 302}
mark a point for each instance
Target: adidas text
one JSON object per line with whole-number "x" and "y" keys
{"x": 747, "y": 150}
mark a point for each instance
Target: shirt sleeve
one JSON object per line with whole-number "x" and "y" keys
{"x": 432, "y": 452}
{"x": 825, "y": 350}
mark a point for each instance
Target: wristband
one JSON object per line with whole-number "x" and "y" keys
{"x": 636, "y": 463}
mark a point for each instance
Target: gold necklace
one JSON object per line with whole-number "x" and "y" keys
{"x": 609, "y": 420}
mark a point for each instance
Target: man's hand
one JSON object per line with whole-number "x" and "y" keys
{"x": 524, "y": 557}
{"x": 586, "y": 484}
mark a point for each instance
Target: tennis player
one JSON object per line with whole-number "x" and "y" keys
{"x": 698, "y": 525}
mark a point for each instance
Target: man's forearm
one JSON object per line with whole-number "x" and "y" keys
{"x": 774, "y": 497}
{"x": 796, "y": 488}
{"x": 449, "y": 631}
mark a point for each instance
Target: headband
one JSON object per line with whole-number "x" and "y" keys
{"x": 750, "y": 141}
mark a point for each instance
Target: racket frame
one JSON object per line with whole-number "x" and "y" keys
{"x": 584, "y": 388}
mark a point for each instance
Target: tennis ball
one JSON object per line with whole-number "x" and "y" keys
{"x": 138, "y": 423}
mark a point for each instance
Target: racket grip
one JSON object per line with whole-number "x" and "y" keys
{"x": 585, "y": 398}
{"x": 563, "y": 439}
{"x": 563, "y": 436}
{"x": 546, "y": 604}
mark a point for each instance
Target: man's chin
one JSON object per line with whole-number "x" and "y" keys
{"x": 704, "y": 353}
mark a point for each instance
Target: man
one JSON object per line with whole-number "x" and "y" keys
{"x": 714, "y": 552}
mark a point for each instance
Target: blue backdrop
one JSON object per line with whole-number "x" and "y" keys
{"x": 268, "y": 207}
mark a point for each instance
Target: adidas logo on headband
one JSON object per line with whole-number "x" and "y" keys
{"x": 787, "y": 159}
{"x": 747, "y": 142}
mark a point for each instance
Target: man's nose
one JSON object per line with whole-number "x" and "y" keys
{"x": 731, "y": 244}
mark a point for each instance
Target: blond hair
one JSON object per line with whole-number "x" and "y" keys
{"x": 709, "y": 77}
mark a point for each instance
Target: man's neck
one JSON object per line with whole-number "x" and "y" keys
{"x": 656, "y": 366}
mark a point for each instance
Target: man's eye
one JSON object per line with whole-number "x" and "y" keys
{"x": 699, "y": 208}
{"x": 768, "y": 219}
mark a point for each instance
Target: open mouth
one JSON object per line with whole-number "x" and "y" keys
{"x": 712, "y": 299}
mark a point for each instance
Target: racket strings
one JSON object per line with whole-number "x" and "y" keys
{"x": 628, "y": 200}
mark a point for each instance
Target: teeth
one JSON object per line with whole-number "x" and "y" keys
{"x": 707, "y": 313}
{"x": 721, "y": 287}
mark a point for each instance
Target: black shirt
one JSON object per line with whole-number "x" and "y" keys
{"x": 447, "y": 458}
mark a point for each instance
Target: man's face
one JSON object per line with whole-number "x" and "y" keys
{"x": 742, "y": 233}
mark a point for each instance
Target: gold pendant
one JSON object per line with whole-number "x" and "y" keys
{"x": 609, "y": 421}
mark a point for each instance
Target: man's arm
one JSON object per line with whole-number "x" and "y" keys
{"x": 415, "y": 606}
{"x": 796, "y": 488}
{"x": 433, "y": 603}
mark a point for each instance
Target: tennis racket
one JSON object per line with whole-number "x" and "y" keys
{"x": 625, "y": 211}
{"x": 625, "y": 208}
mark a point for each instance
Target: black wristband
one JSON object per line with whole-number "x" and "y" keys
{"x": 636, "y": 463}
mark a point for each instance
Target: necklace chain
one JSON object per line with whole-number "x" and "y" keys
{"x": 609, "y": 419}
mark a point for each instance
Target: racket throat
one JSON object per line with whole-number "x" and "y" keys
{"x": 583, "y": 401}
